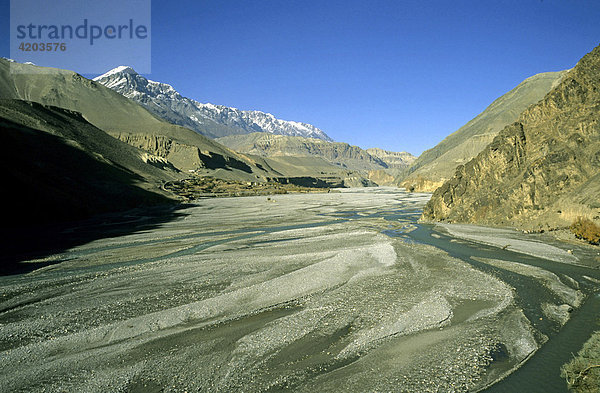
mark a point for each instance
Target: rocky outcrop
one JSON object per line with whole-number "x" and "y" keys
{"x": 182, "y": 156}
{"x": 387, "y": 177}
{"x": 421, "y": 183}
{"x": 539, "y": 171}
{"x": 438, "y": 164}
{"x": 382, "y": 178}
{"x": 356, "y": 180}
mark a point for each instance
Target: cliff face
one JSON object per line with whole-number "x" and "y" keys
{"x": 382, "y": 177}
{"x": 539, "y": 172}
{"x": 397, "y": 160}
{"x": 438, "y": 164}
{"x": 182, "y": 156}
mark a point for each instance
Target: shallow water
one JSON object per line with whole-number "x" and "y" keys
{"x": 330, "y": 292}
{"x": 541, "y": 373}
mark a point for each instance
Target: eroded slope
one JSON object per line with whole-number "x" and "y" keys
{"x": 539, "y": 172}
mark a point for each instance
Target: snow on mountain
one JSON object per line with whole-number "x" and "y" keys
{"x": 207, "y": 119}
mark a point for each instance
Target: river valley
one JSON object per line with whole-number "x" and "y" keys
{"x": 337, "y": 292}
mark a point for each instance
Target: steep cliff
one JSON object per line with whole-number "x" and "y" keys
{"x": 393, "y": 159}
{"x": 541, "y": 171}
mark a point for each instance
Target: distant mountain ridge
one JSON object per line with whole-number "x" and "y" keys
{"x": 210, "y": 120}
{"x": 393, "y": 159}
{"x": 337, "y": 153}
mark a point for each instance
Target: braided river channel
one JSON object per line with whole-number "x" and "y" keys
{"x": 330, "y": 292}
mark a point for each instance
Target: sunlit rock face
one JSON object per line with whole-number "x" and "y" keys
{"x": 541, "y": 171}
{"x": 439, "y": 163}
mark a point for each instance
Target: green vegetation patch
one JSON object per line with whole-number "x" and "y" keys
{"x": 583, "y": 372}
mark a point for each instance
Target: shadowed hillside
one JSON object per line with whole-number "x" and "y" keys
{"x": 60, "y": 169}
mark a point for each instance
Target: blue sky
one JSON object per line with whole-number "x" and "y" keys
{"x": 399, "y": 75}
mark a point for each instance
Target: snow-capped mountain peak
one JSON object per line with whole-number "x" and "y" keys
{"x": 208, "y": 119}
{"x": 117, "y": 70}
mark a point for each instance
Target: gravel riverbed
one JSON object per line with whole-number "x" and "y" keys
{"x": 303, "y": 292}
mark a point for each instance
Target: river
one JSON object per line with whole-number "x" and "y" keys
{"x": 334, "y": 292}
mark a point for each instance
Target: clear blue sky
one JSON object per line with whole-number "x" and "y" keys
{"x": 399, "y": 75}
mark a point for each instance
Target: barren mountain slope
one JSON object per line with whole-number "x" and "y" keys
{"x": 438, "y": 164}
{"x": 541, "y": 171}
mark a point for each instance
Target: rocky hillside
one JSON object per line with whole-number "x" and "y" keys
{"x": 438, "y": 164}
{"x": 340, "y": 154}
{"x": 540, "y": 172}
{"x": 211, "y": 120}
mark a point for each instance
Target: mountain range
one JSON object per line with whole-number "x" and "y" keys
{"x": 210, "y": 120}
{"x": 287, "y": 144}
{"x": 123, "y": 119}
{"x": 172, "y": 148}
{"x": 76, "y": 149}
{"x": 529, "y": 160}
